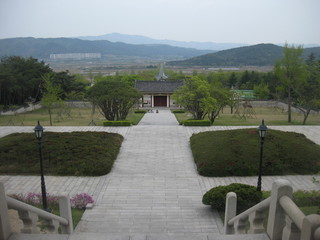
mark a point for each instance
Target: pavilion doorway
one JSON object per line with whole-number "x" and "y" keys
{"x": 160, "y": 101}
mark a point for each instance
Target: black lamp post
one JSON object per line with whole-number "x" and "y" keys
{"x": 38, "y": 130}
{"x": 262, "y": 133}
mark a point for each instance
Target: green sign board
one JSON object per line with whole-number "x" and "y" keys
{"x": 245, "y": 94}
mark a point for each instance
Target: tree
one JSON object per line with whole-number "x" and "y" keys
{"x": 261, "y": 90}
{"x": 309, "y": 92}
{"x": 20, "y": 78}
{"x": 51, "y": 97}
{"x": 291, "y": 72}
{"x": 195, "y": 97}
{"x": 69, "y": 84}
{"x": 113, "y": 98}
{"x": 222, "y": 97}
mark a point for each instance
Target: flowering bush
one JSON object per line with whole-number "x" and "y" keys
{"x": 78, "y": 201}
{"x": 81, "y": 200}
{"x": 35, "y": 198}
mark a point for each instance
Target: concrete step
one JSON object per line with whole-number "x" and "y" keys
{"x": 103, "y": 236}
{"x": 25, "y": 236}
{"x": 110, "y": 236}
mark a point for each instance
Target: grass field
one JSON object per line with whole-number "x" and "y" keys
{"x": 272, "y": 116}
{"x": 65, "y": 117}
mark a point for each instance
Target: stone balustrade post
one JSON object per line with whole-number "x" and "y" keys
{"x": 5, "y": 229}
{"x": 256, "y": 219}
{"x": 230, "y": 212}
{"x": 311, "y": 227}
{"x": 65, "y": 212}
{"x": 277, "y": 216}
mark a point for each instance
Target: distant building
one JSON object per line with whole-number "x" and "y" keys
{"x": 74, "y": 56}
{"x": 158, "y": 93}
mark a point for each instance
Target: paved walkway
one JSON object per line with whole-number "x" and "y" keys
{"x": 153, "y": 191}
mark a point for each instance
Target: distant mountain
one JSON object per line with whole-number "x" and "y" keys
{"x": 256, "y": 55}
{"x": 43, "y": 47}
{"x": 137, "y": 39}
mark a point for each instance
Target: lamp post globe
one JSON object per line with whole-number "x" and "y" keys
{"x": 262, "y": 129}
{"x": 38, "y": 130}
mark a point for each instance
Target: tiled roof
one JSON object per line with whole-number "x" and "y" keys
{"x": 157, "y": 86}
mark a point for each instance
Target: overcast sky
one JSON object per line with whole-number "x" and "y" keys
{"x": 241, "y": 21}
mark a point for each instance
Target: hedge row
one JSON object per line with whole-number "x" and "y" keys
{"x": 117, "y": 123}
{"x": 178, "y": 111}
{"x": 196, "y": 123}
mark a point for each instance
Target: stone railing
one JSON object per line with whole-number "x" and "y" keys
{"x": 30, "y": 216}
{"x": 284, "y": 221}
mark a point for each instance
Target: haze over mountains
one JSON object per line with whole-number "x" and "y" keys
{"x": 138, "y": 39}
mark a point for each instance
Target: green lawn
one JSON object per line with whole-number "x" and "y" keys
{"x": 74, "y": 154}
{"x": 272, "y": 116}
{"x": 236, "y": 153}
{"x": 65, "y": 117}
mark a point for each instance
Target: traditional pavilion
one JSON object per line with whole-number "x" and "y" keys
{"x": 158, "y": 93}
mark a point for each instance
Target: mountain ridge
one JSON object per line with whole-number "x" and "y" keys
{"x": 43, "y": 47}
{"x": 264, "y": 54}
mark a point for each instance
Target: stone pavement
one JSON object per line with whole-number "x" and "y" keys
{"x": 153, "y": 191}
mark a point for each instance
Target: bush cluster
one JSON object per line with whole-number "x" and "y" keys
{"x": 116, "y": 123}
{"x": 247, "y": 196}
{"x": 196, "y": 123}
{"x": 178, "y": 111}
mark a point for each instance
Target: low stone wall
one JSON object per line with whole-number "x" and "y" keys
{"x": 277, "y": 104}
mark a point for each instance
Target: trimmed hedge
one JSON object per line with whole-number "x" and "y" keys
{"x": 64, "y": 153}
{"x": 116, "y": 123}
{"x": 236, "y": 153}
{"x": 140, "y": 111}
{"x": 196, "y": 123}
{"x": 247, "y": 196}
{"x": 178, "y": 111}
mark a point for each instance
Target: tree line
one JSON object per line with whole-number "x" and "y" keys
{"x": 293, "y": 80}
{"x": 22, "y": 79}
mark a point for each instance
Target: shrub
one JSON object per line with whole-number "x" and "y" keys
{"x": 197, "y": 123}
{"x": 116, "y": 123}
{"x": 178, "y": 111}
{"x": 306, "y": 198}
{"x": 140, "y": 111}
{"x": 247, "y": 196}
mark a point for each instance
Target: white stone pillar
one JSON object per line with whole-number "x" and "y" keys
{"x": 230, "y": 212}
{"x": 168, "y": 100}
{"x": 5, "y": 230}
{"x": 152, "y": 100}
{"x": 276, "y": 220}
{"x": 65, "y": 212}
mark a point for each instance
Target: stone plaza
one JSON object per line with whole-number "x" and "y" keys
{"x": 153, "y": 190}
